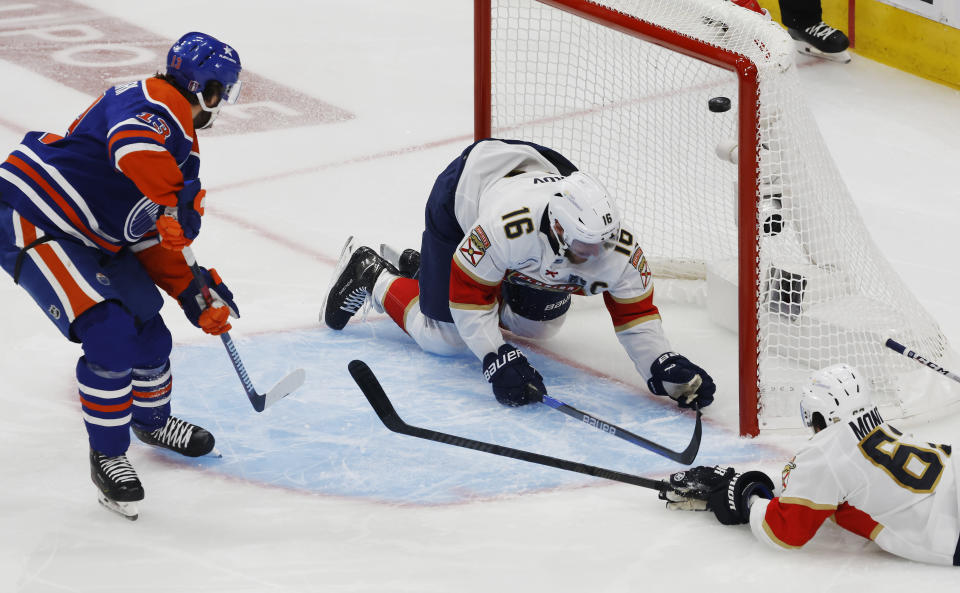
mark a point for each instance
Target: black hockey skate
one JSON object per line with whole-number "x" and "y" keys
{"x": 117, "y": 481}
{"x": 179, "y": 436}
{"x": 823, "y": 41}
{"x": 353, "y": 282}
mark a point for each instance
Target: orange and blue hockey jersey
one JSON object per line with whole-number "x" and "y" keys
{"x": 104, "y": 182}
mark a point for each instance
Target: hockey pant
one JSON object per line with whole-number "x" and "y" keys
{"x": 108, "y": 304}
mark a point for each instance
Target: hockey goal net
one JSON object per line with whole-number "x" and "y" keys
{"x": 746, "y": 200}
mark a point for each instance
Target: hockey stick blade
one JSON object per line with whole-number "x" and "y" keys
{"x": 381, "y": 404}
{"x": 685, "y": 457}
{"x": 284, "y": 387}
{"x": 913, "y": 355}
{"x": 259, "y": 401}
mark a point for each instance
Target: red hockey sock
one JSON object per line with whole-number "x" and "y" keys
{"x": 402, "y": 294}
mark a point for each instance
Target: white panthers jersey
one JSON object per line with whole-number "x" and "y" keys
{"x": 501, "y": 203}
{"x": 874, "y": 481}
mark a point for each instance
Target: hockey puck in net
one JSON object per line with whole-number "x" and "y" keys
{"x": 719, "y": 104}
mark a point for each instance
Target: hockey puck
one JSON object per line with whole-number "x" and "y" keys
{"x": 719, "y": 104}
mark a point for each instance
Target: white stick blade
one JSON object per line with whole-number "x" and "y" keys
{"x": 285, "y": 387}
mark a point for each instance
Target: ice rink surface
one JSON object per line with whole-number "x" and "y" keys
{"x": 315, "y": 494}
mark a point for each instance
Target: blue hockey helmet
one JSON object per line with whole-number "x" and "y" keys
{"x": 196, "y": 60}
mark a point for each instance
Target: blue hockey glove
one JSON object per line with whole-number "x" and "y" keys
{"x": 212, "y": 320}
{"x": 514, "y": 381}
{"x": 179, "y": 226}
{"x": 675, "y": 376}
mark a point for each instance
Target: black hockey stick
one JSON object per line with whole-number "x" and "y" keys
{"x": 912, "y": 354}
{"x": 259, "y": 401}
{"x": 686, "y": 456}
{"x": 378, "y": 399}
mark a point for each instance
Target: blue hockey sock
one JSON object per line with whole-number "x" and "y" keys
{"x": 105, "y": 397}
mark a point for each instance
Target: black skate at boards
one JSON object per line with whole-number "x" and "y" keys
{"x": 822, "y": 41}
{"x": 119, "y": 487}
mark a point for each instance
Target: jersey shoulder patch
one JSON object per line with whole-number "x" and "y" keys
{"x": 639, "y": 262}
{"x": 475, "y": 246}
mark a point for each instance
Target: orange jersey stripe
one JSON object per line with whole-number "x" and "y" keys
{"x": 105, "y": 408}
{"x": 61, "y": 202}
{"x": 151, "y": 394}
{"x": 80, "y": 117}
{"x": 166, "y": 268}
{"x": 155, "y": 173}
{"x": 79, "y": 300}
{"x": 135, "y": 134}
{"x": 163, "y": 92}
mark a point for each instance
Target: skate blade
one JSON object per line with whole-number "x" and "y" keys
{"x": 841, "y": 57}
{"x": 390, "y": 254}
{"x": 348, "y": 248}
{"x": 127, "y": 510}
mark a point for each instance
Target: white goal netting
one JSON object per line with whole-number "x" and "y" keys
{"x": 636, "y": 115}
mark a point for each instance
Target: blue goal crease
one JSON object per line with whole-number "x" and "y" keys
{"x": 325, "y": 437}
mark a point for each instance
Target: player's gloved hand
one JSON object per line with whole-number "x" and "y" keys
{"x": 178, "y": 226}
{"x": 730, "y": 499}
{"x": 212, "y": 320}
{"x": 690, "y": 490}
{"x": 675, "y": 376}
{"x": 515, "y": 382}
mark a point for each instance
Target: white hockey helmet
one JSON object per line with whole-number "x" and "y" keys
{"x": 836, "y": 393}
{"x": 583, "y": 216}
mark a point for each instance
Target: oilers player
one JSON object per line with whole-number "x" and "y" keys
{"x": 513, "y": 229}
{"x": 869, "y": 477}
{"x": 92, "y": 222}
